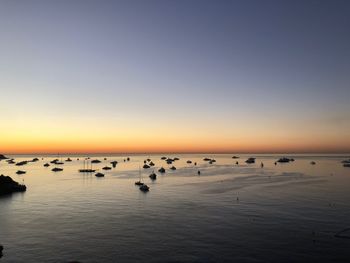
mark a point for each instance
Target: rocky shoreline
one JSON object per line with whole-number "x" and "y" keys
{"x": 9, "y": 186}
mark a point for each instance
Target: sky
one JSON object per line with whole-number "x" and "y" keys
{"x": 174, "y": 76}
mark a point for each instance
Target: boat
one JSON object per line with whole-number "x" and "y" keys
{"x": 161, "y": 170}
{"x": 151, "y": 163}
{"x": 144, "y": 188}
{"x": 153, "y": 176}
{"x": 284, "y": 160}
{"x": 346, "y": 164}
{"x": 56, "y": 169}
{"x": 11, "y": 161}
{"x": 169, "y": 161}
{"x": 139, "y": 182}
{"x": 173, "y": 168}
{"x": 146, "y": 166}
{"x": 163, "y": 158}
{"x": 99, "y": 175}
{"x": 20, "y": 172}
{"x": 235, "y": 157}
{"x": 46, "y": 165}
{"x": 54, "y": 161}
{"x": 21, "y": 163}
{"x": 107, "y": 168}
{"x": 86, "y": 168}
{"x": 206, "y": 159}
{"x": 176, "y": 159}
{"x": 250, "y": 160}
{"x": 114, "y": 163}
{"x": 69, "y": 160}
{"x": 95, "y": 161}
{"x": 189, "y": 162}
{"x": 313, "y": 163}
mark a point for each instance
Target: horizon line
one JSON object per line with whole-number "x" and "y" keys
{"x": 178, "y": 152}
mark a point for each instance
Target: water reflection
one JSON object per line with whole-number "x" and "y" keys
{"x": 229, "y": 212}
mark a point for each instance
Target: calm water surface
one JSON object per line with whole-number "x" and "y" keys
{"x": 230, "y": 213}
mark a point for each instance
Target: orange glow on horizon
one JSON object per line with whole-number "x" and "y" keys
{"x": 162, "y": 146}
{"x": 132, "y": 135}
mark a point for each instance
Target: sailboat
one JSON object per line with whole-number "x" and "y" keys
{"x": 143, "y": 187}
{"x": 87, "y": 170}
{"x": 139, "y": 181}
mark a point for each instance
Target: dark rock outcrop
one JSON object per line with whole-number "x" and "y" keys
{"x": 3, "y": 157}
{"x": 8, "y": 186}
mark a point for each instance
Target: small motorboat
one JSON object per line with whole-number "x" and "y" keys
{"x": 144, "y": 188}
{"x": 21, "y": 163}
{"x": 153, "y": 176}
{"x": 114, "y": 163}
{"x": 46, "y": 165}
{"x": 146, "y": 166}
{"x": 250, "y": 160}
{"x": 20, "y": 172}
{"x": 161, "y": 170}
{"x": 173, "y": 168}
{"x": 107, "y": 168}
{"x": 99, "y": 175}
{"x": 189, "y": 162}
{"x": 284, "y": 160}
{"x": 95, "y": 161}
{"x": 56, "y": 169}
{"x": 313, "y": 163}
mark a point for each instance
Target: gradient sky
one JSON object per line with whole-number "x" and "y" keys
{"x": 186, "y": 76}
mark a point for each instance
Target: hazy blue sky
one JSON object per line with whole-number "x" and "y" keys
{"x": 194, "y": 70}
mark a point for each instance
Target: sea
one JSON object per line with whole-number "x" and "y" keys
{"x": 281, "y": 212}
